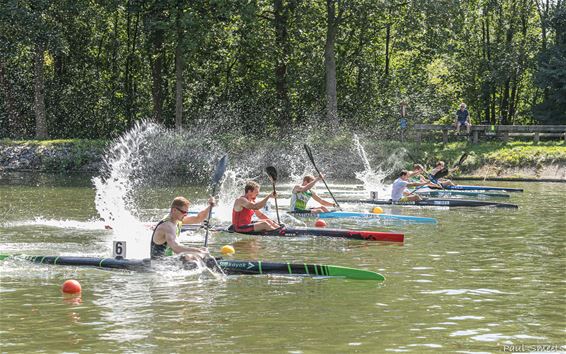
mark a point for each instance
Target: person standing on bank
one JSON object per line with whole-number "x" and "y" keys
{"x": 463, "y": 118}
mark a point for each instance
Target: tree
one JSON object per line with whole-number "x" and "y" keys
{"x": 551, "y": 75}
{"x": 334, "y": 13}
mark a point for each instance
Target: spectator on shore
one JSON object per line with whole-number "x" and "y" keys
{"x": 463, "y": 118}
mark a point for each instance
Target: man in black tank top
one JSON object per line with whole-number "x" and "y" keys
{"x": 164, "y": 238}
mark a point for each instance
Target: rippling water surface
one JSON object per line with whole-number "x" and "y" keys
{"x": 478, "y": 280}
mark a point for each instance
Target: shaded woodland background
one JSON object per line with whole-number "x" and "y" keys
{"x": 90, "y": 69}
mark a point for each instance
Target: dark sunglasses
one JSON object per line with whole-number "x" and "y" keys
{"x": 185, "y": 212}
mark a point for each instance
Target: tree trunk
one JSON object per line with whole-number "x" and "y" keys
{"x": 39, "y": 91}
{"x": 330, "y": 64}
{"x": 179, "y": 71}
{"x": 13, "y": 119}
{"x": 281, "y": 18}
{"x": 542, "y": 8}
{"x": 387, "y": 41}
{"x": 490, "y": 90}
{"x": 115, "y": 102}
{"x": 156, "y": 59}
{"x": 513, "y": 100}
{"x": 129, "y": 85}
{"x": 507, "y": 86}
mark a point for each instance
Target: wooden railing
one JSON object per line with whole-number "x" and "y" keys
{"x": 501, "y": 131}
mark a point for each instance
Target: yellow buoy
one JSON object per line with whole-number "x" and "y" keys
{"x": 227, "y": 250}
{"x": 377, "y": 210}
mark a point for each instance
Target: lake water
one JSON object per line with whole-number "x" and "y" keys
{"x": 480, "y": 281}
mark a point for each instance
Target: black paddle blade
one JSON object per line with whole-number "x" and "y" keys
{"x": 462, "y": 158}
{"x": 442, "y": 173}
{"x": 220, "y": 169}
{"x": 309, "y": 153}
{"x": 271, "y": 172}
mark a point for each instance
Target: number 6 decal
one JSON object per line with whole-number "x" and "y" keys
{"x": 119, "y": 249}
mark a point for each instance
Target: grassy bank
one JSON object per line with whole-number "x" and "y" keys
{"x": 63, "y": 155}
{"x": 487, "y": 159}
{"x": 517, "y": 159}
{"x": 505, "y": 155}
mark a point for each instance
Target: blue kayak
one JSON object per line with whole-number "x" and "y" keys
{"x": 352, "y": 215}
{"x": 482, "y": 188}
{"x": 443, "y": 193}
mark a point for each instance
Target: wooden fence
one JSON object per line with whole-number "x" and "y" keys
{"x": 502, "y": 132}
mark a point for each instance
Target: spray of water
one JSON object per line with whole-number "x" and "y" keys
{"x": 58, "y": 223}
{"x": 373, "y": 180}
{"x": 148, "y": 165}
{"x": 114, "y": 189}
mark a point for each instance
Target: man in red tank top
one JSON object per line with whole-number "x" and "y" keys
{"x": 246, "y": 206}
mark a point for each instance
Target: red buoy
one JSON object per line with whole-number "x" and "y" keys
{"x": 320, "y": 223}
{"x": 71, "y": 286}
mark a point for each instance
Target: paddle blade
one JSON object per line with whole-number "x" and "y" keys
{"x": 271, "y": 172}
{"x": 220, "y": 169}
{"x": 462, "y": 159}
{"x": 309, "y": 152}
{"x": 442, "y": 173}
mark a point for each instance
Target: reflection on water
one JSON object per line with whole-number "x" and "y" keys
{"x": 478, "y": 280}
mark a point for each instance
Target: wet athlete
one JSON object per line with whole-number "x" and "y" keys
{"x": 246, "y": 206}
{"x": 417, "y": 172}
{"x": 440, "y": 170}
{"x": 399, "y": 192}
{"x": 302, "y": 193}
{"x": 164, "y": 239}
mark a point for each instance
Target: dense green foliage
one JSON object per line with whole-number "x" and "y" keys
{"x": 90, "y": 69}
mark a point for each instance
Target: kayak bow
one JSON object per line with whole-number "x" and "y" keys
{"x": 442, "y": 193}
{"x": 482, "y": 188}
{"x": 291, "y": 231}
{"x": 349, "y": 214}
{"x": 438, "y": 202}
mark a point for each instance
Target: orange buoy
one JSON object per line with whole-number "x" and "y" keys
{"x": 320, "y": 223}
{"x": 71, "y": 286}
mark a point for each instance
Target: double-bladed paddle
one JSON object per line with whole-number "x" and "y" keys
{"x": 442, "y": 173}
{"x": 309, "y": 153}
{"x": 445, "y": 171}
{"x": 272, "y": 173}
{"x": 218, "y": 174}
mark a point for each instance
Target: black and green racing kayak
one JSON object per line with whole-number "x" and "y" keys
{"x": 231, "y": 267}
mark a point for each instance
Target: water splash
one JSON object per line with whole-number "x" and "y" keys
{"x": 150, "y": 165}
{"x": 58, "y": 223}
{"x": 371, "y": 179}
{"x": 374, "y": 180}
{"x": 114, "y": 190}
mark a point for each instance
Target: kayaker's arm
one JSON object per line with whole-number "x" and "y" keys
{"x": 322, "y": 201}
{"x": 306, "y": 187}
{"x": 201, "y": 216}
{"x": 178, "y": 248}
{"x": 251, "y": 205}
{"x": 417, "y": 184}
{"x": 261, "y": 215}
